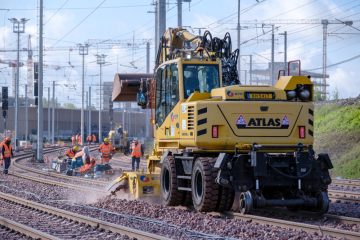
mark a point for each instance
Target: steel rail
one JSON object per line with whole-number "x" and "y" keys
{"x": 25, "y": 230}
{"x": 346, "y": 182}
{"x": 53, "y": 182}
{"x": 321, "y": 230}
{"x": 348, "y": 196}
{"x": 115, "y": 228}
{"x": 57, "y": 175}
{"x": 308, "y": 214}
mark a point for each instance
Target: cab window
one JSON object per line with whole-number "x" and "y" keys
{"x": 201, "y": 78}
{"x": 167, "y": 91}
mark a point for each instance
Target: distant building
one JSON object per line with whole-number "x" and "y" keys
{"x": 262, "y": 77}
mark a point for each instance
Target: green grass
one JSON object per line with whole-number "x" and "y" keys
{"x": 332, "y": 118}
{"x": 337, "y": 132}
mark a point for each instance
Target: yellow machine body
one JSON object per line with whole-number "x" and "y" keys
{"x": 137, "y": 184}
{"x": 213, "y": 138}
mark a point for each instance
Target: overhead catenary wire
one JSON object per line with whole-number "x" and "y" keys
{"x": 336, "y": 64}
{"x": 83, "y": 20}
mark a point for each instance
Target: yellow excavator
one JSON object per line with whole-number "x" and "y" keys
{"x": 214, "y": 137}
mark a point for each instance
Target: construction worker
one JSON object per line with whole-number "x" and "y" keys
{"x": 88, "y": 139}
{"x": 93, "y": 138}
{"x": 136, "y": 153}
{"x": 106, "y": 149}
{"x": 7, "y": 154}
{"x": 73, "y": 140}
{"x": 70, "y": 153}
{"x": 1, "y": 158}
{"x": 78, "y": 139}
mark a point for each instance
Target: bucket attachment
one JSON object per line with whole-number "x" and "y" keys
{"x": 137, "y": 184}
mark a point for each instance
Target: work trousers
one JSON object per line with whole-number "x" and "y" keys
{"x": 7, "y": 164}
{"x": 137, "y": 161}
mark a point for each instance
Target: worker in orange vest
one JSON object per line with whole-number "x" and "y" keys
{"x": 72, "y": 140}
{"x": 88, "y": 139}
{"x": 70, "y": 153}
{"x": 136, "y": 153}
{"x": 7, "y": 154}
{"x": 93, "y": 138}
{"x": 79, "y": 139}
{"x": 1, "y": 158}
{"x": 106, "y": 149}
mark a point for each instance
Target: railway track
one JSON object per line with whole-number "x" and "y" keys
{"x": 53, "y": 223}
{"x": 38, "y": 172}
{"x": 14, "y": 230}
{"x": 310, "y": 228}
{"x": 321, "y": 230}
{"x": 347, "y": 196}
{"x": 346, "y": 182}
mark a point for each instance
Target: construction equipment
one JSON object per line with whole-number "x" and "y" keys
{"x": 215, "y": 137}
{"x": 119, "y": 138}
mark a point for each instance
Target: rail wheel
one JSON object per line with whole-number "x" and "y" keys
{"x": 204, "y": 190}
{"x": 323, "y": 202}
{"x": 226, "y": 199}
{"x": 171, "y": 196}
{"x": 246, "y": 202}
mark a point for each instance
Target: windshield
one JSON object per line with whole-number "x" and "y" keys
{"x": 201, "y": 78}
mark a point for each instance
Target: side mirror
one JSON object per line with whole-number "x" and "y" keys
{"x": 141, "y": 100}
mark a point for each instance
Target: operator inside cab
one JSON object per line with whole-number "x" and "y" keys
{"x": 201, "y": 78}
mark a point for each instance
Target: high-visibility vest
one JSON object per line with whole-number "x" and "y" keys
{"x": 136, "y": 150}
{"x": 7, "y": 152}
{"x": 70, "y": 153}
{"x": 105, "y": 150}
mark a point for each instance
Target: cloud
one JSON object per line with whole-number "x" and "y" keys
{"x": 345, "y": 81}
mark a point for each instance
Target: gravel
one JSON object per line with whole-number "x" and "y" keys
{"x": 171, "y": 222}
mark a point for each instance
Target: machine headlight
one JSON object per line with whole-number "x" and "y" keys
{"x": 304, "y": 95}
{"x": 291, "y": 94}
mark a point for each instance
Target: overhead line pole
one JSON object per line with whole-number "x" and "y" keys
{"x": 179, "y": 10}
{"x": 162, "y": 17}
{"x": 53, "y": 114}
{"x": 26, "y": 114}
{"x": 48, "y": 120}
{"x": 238, "y": 41}
{"x": 272, "y": 56}
{"x": 83, "y": 50}
{"x": 40, "y": 121}
{"x": 325, "y": 25}
{"x": 18, "y": 27}
{"x": 100, "y": 61}
{"x": 89, "y": 120}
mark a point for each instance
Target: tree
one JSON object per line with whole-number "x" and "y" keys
{"x": 335, "y": 94}
{"x": 69, "y": 106}
{"x": 45, "y": 103}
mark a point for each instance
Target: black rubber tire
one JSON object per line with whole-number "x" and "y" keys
{"x": 323, "y": 202}
{"x": 205, "y": 192}
{"x": 226, "y": 199}
{"x": 170, "y": 194}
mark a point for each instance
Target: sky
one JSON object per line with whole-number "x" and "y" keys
{"x": 70, "y": 22}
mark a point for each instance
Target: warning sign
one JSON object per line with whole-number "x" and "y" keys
{"x": 240, "y": 122}
{"x": 285, "y": 122}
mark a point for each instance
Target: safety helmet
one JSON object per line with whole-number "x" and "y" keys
{"x": 75, "y": 148}
{"x": 106, "y": 140}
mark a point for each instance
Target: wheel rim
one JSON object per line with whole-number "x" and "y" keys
{"x": 246, "y": 204}
{"x": 166, "y": 182}
{"x": 198, "y": 186}
{"x": 323, "y": 202}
